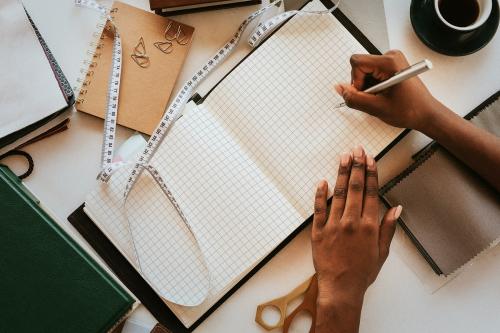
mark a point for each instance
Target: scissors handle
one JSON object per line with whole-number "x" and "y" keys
{"x": 308, "y": 305}
{"x": 281, "y": 304}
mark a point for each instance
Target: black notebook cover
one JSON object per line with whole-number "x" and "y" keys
{"x": 133, "y": 280}
{"x": 180, "y": 10}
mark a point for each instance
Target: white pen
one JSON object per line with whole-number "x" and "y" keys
{"x": 402, "y": 75}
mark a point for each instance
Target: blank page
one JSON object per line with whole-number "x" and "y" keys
{"x": 71, "y": 33}
{"x": 29, "y": 89}
{"x": 279, "y": 105}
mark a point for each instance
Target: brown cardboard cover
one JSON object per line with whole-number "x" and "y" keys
{"x": 144, "y": 92}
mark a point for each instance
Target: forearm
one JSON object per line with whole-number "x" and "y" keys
{"x": 477, "y": 148}
{"x": 339, "y": 312}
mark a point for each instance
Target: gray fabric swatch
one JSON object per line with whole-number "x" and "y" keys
{"x": 449, "y": 210}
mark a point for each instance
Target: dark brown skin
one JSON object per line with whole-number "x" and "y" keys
{"x": 410, "y": 105}
{"x": 349, "y": 244}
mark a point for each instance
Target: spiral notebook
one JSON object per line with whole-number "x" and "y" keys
{"x": 141, "y": 88}
{"x": 243, "y": 164}
{"x": 450, "y": 213}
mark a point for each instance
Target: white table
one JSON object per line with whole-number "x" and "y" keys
{"x": 67, "y": 163}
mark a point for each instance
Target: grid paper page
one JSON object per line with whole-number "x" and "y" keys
{"x": 279, "y": 105}
{"x": 165, "y": 252}
{"x": 236, "y": 213}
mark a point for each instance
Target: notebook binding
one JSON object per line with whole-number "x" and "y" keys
{"x": 89, "y": 62}
{"x": 64, "y": 85}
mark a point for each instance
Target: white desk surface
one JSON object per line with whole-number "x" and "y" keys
{"x": 66, "y": 166}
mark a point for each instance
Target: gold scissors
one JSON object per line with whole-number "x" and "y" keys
{"x": 309, "y": 289}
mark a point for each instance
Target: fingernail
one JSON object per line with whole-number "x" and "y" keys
{"x": 358, "y": 151}
{"x": 344, "y": 159}
{"x": 322, "y": 185}
{"x": 339, "y": 89}
{"x": 370, "y": 161}
{"x": 398, "y": 211}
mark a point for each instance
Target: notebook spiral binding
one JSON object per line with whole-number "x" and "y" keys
{"x": 91, "y": 55}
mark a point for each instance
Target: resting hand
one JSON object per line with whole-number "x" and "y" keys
{"x": 350, "y": 245}
{"x": 408, "y": 104}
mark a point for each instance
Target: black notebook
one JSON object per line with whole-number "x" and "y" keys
{"x": 243, "y": 163}
{"x": 450, "y": 213}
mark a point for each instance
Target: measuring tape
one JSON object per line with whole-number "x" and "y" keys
{"x": 265, "y": 29}
{"x": 111, "y": 113}
{"x": 108, "y": 167}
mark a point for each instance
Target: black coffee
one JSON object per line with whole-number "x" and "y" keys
{"x": 459, "y": 12}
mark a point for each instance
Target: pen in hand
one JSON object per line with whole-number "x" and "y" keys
{"x": 405, "y": 74}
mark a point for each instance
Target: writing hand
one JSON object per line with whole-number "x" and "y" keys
{"x": 408, "y": 104}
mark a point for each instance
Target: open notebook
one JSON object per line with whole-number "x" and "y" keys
{"x": 243, "y": 166}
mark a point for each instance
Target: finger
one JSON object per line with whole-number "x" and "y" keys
{"x": 374, "y": 105}
{"x": 380, "y": 67}
{"x": 387, "y": 229}
{"x": 340, "y": 189}
{"x": 370, "y": 200}
{"x": 320, "y": 199}
{"x": 355, "y": 189}
{"x": 339, "y": 88}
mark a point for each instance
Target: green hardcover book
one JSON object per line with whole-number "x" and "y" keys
{"x": 48, "y": 283}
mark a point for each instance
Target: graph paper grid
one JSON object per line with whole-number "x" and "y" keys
{"x": 243, "y": 166}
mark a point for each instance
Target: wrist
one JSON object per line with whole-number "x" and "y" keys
{"x": 339, "y": 312}
{"x": 433, "y": 118}
{"x": 426, "y": 113}
{"x": 332, "y": 293}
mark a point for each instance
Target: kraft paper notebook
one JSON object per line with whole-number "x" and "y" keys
{"x": 48, "y": 283}
{"x": 450, "y": 213}
{"x": 144, "y": 92}
{"x": 243, "y": 163}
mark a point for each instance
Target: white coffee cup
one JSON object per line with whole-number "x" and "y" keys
{"x": 485, "y": 7}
